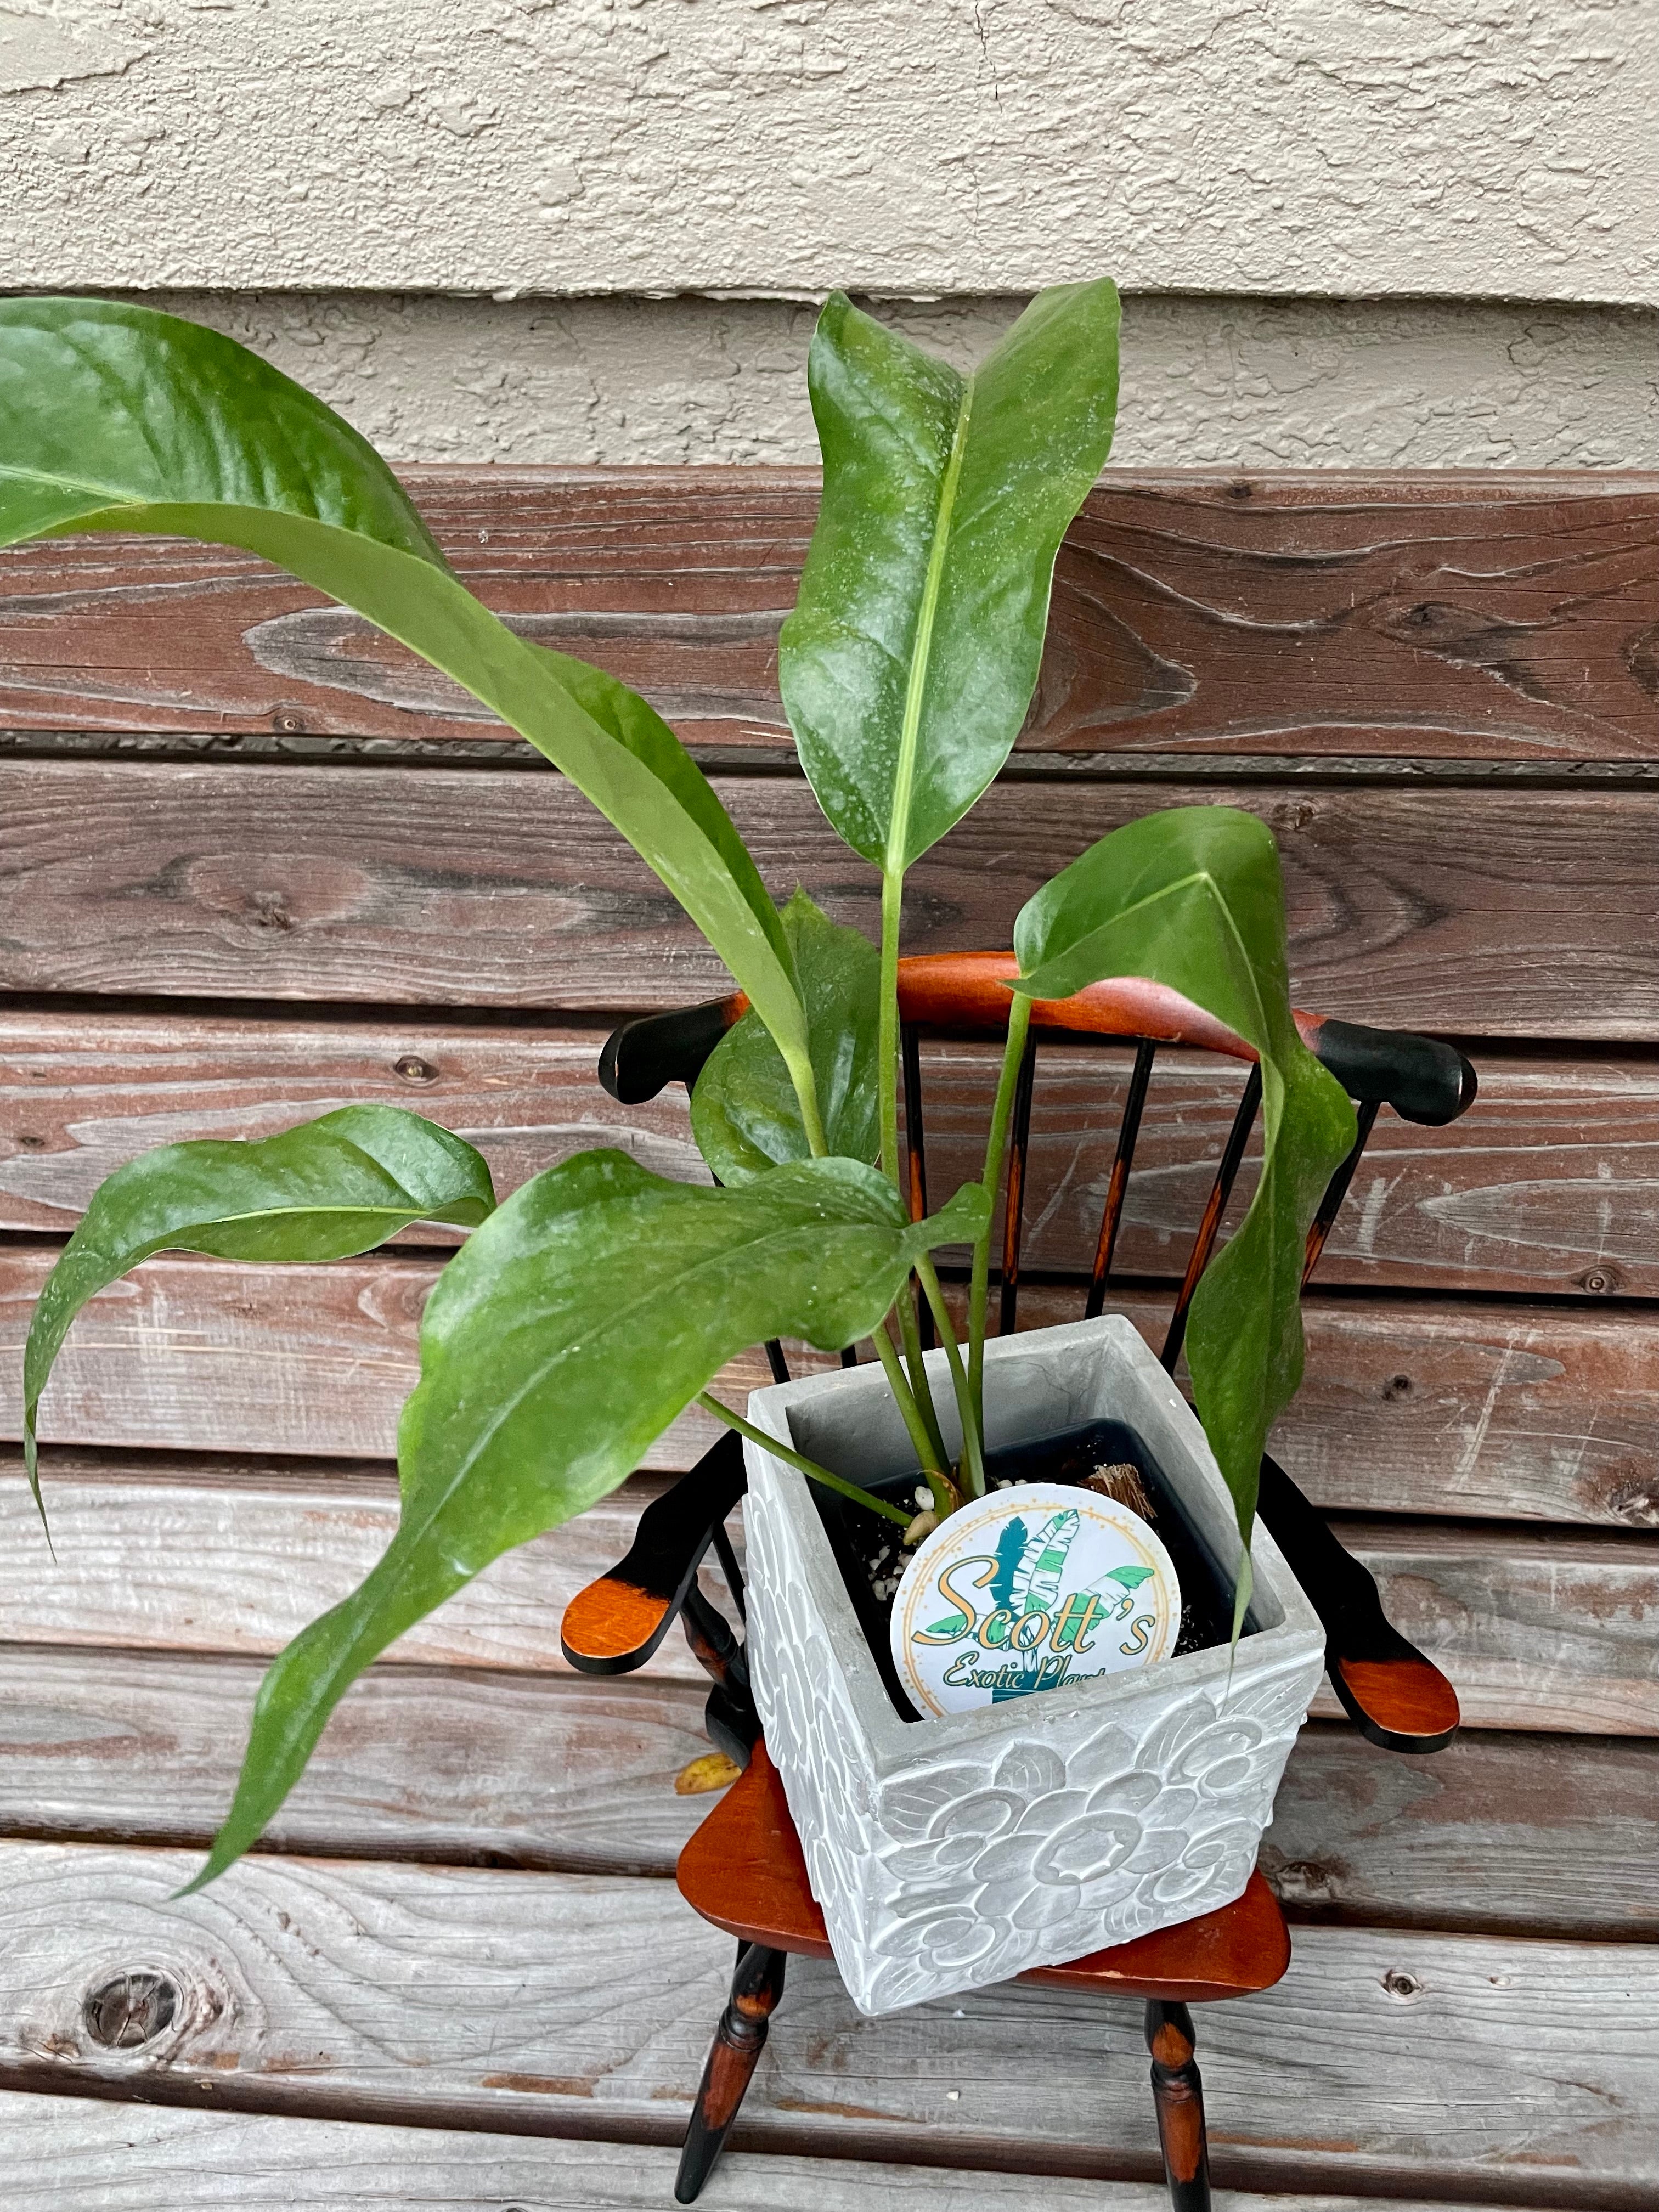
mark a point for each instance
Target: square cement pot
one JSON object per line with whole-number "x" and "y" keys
{"x": 949, "y": 1854}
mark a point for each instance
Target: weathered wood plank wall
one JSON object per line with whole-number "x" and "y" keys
{"x": 255, "y": 862}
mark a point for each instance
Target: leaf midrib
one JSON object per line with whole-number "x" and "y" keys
{"x": 904, "y": 773}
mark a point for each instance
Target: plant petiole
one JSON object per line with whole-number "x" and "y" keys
{"x": 973, "y": 1442}
{"x": 996, "y": 1144}
{"x": 710, "y": 1404}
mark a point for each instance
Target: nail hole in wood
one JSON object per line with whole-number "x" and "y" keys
{"x": 414, "y": 1069}
{"x": 1401, "y": 1985}
{"x": 129, "y": 2010}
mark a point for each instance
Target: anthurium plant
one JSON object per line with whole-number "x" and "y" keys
{"x": 586, "y": 1311}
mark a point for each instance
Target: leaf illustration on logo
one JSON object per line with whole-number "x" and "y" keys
{"x": 1131, "y": 1577}
{"x": 955, "y": 1626}
{"x": 1010, "y": 1550}
{"x": 1037, "y": 1581}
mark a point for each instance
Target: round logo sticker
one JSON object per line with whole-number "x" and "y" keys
{"x": 1034, "y": 1586}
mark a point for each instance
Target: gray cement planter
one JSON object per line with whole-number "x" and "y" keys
{"x": 949, "y": 1854}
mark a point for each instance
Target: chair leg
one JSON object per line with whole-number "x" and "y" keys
{"x": 1179, "y": 2095}
{"x": 739, "y": 2041}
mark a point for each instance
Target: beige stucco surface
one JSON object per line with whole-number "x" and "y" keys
{"x": 1439, "y": 148}
{"x": 1213, "y": 382}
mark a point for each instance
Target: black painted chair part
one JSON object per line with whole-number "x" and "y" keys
{"x": 616, "y": 1623}
{"x": 1423, "y": 1080}
{"x": 644, "y": 1057}
{"x": 1398, "y": 1699}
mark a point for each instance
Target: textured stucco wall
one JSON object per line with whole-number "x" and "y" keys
{"x": 1252, "y": 383}
{"x": 1338, "y": 146}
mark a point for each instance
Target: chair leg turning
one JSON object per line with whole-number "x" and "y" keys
{"x": 1179, "y": 2095}
{"x": 739, "y": 2041}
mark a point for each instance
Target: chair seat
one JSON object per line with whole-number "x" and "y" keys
{"x": 745, "y": 1871}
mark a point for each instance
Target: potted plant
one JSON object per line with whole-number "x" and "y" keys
{"x": 590, "y": 1308}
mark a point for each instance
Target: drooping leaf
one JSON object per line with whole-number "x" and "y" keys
{"x": 1193, "y": 898}
{"x": 341, "y": 1184}
{"x": 116, "y": 417}
{"x": 587, "y": 1312}
{"x": 745, "y": 1115}
{"x": 909, "y": 661}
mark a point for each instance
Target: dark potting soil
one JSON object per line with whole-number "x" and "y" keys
{"x": 870, "y": 1552}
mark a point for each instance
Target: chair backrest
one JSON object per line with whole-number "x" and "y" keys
{"x": 964, "y": 994}
{"x": 1398, "y": 1698}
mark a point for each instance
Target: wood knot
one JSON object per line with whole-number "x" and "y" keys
{"x": 1397, "y": 1386}
{"x": 1401, "y": 1985}
{"x": 129, "y": 2010}
{"x": 414, "y": 1069}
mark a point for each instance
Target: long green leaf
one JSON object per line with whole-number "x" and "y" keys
{"x": 586, "y": 1313}
{"x": 1193, "y": 898}
{"x": 745, "y": 1115}
{"x": 909, "y": 661}
{"x": 116, "y": 417}
{"x": 338, "y": 1185}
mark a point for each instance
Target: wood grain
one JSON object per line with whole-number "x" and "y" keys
{"x": 1492, "y": 913}
{"x": 460, "y": 1764}
{"x": 1549, "y": 1184}
{"x": 1422, "y": 1407}
{"x": 1502, "y": 1834}
{"x": 1523, "y": 1834}
{"x": 1501, "y": 617}
{"x": 81, "y": 2155}
{"x": 578, "y": 2004}
{"x": 1548, "y": 1630}
{"x": 202, "y": 1557}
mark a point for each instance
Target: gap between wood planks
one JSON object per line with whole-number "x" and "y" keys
{"x": 513, "y": 752}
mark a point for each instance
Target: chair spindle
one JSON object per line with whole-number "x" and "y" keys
{"x": 1112, "y": 1213}
{"x": 1014, "y": 1207}
{"x": 1204, "y": 1243}
{"x": 1336, "y": 1190}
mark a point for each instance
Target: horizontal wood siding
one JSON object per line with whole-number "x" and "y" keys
{"x": 1488, "y": 912}
{"x": 1473, "y": 617}
{"x": 256, "y": 862}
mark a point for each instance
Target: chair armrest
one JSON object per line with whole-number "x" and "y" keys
{"x": 1395, "y": 1696}
{"x": 1423, "y": 1078}
{"x": 645, "y": 1057}
{"x": 616, "y": 1623}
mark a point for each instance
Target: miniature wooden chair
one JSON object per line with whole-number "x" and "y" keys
{"x": 743, "y": 1869}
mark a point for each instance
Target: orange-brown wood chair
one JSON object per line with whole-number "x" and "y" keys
{"x": 743, "y": 1869}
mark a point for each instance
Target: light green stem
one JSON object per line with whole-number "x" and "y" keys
{"x": 710, "y": 1404}
{"x": 996, "y": 1144}
{"x": 972, "y": 1437}
{"x": 929, "y": 1453}
{"x": 806, "y": 1091}
{"x": 892, "y": 895}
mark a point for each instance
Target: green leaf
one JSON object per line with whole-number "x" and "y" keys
{"x": 1131, "y": 1577}
{"x": 341, "y": 1184}
{"x": 587, "y": 1312}
{"x": 1193, "y": 898}
{"x": 116, "y": 417}
{"x": 909, "y": 661}
{"x": 745, "y": 1115}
